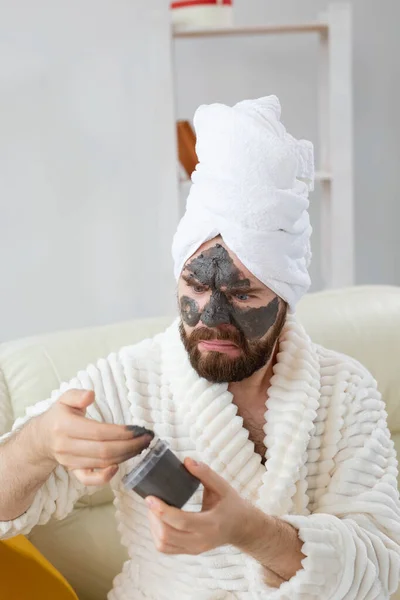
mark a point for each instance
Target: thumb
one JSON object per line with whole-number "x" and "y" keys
{"x": 79, "y": 399}
{"x": 209, "y": 478}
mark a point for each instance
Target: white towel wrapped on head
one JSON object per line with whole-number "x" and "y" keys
{"x": 251, "y": 187}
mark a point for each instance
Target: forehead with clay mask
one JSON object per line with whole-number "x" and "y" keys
{"x": 215, "y": 290}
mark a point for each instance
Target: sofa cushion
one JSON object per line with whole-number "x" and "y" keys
{"x": 363, "y": 322}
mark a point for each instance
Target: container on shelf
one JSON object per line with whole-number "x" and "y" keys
{"x": 201, "y": 14}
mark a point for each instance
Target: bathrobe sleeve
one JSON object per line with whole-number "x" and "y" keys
{"x": 57, "y": 496}
{"x": 351, "y": 541}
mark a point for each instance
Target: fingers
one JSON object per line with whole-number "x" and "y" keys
{"x": 82, "y": 462}
{"x": 209, "y": 478}
{"x": 75, "y": 454}
{"x": 167, "y": 548}
{"x": 166, "y": 539}
{"x": 171, "y": 516}
{"x": 101, "y": 477}
{"x": 88, "y": 429}
{"x": 80, "y": 399}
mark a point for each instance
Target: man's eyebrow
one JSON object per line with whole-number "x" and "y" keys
{"x": 244, "y": 286}
{"x": 191, "y": 279}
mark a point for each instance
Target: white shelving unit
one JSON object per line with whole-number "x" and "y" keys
{"x": 335, "y": 169}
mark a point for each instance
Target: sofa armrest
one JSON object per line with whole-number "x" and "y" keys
{"x": 6, "y": 410}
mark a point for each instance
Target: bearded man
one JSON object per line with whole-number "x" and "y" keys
{"x": 299, "y": 496}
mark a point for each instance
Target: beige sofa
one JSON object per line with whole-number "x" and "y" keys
{"x": 363, "y": 322}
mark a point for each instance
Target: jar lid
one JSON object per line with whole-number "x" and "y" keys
{"x": 138, "y": 473}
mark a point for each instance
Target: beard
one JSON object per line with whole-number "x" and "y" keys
{"x": 218, "y": 367}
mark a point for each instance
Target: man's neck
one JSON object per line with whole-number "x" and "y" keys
{"x": 251, "y": 392}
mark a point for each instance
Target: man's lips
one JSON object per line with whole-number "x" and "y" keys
{"x": 224, "y": 346}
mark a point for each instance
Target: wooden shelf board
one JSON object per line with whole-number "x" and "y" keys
{"x": 262, "y": 30}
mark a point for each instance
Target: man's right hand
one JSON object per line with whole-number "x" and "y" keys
{"x": 63, "y": 435}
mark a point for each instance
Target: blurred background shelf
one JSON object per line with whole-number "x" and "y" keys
{"x": 263, "y": 30}
{"x": 335, "y": 125}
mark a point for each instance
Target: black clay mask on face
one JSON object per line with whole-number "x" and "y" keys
{"x": 215, "y": 270}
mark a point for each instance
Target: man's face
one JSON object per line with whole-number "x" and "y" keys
{"x": 230, "y": 321}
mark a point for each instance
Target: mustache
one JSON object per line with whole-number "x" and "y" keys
{"x": 229, "y": 335}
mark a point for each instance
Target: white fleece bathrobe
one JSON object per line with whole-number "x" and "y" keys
{"x": 330, "y": 471}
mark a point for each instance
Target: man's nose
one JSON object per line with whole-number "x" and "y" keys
{"x": 217, "y": 311}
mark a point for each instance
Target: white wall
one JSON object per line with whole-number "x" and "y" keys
{"x": 229, "y": 69}
{"x": 87, "y": 159}
{"x": 88, "y": 195}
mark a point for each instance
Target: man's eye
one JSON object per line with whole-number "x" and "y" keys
{"x": 199, "y": 289}
{"x": 242, "y": 297}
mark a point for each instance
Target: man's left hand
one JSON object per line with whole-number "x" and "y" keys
{"x": 225, "y": 518}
